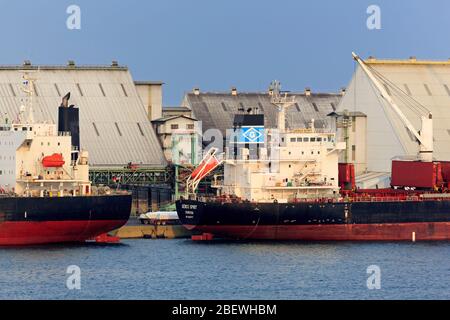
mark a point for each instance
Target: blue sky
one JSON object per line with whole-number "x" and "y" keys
{"x": 217, "y": 44}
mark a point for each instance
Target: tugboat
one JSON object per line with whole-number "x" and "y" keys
{"x": 281, "y": 184}
{"x": 45, "y": 192}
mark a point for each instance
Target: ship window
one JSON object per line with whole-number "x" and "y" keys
{"x": 353, "y": 152}
{"x": 318, "y": 152}
{"x": 12, "y": 90}
{"x": 79, "y": 89}
{"x": 190, "y": 126}
{"x": 95, "y": 128}
{"x": 305, "y": 139}
{"x": 293, "y": 139}
{"x": 299, "y": 139}
{"x": 1, "y": 172}
{"x": 123, "y": 89}
{"x": 24, "y": 128}
{"x": 313, "y": 139}
{"x": 57, "y": 90}
{"x": 118, "y": 129}
{"x": 319, "y": 139}
{"x": 140, "y": 129}
{"x": 174, "y": 126}
{"x": 282, "y": 139}
{"x": 101, "y": 89}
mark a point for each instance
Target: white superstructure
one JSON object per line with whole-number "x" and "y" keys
{"x": 289, "y": 165}
{"x": 36, "y": 159}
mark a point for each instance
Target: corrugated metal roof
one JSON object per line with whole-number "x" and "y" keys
{"x": 217, "y": 110}
{"x": 107, "y": 99}
{"x": 427, "y": 82}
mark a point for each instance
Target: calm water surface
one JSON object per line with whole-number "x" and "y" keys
{"x": 182, "y": 269}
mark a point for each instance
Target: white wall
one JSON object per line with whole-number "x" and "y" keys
{"x": 383, "y": 141}
{"x": 151, "y": 96}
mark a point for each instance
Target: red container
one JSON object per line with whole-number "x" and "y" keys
{"x": 416, "y": 174}
{"x": 346, "y": 176}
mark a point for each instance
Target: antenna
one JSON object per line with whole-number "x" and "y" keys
{"x": 282, "y": 101}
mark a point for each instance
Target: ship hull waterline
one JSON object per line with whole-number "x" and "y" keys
{"x": 37, "y": 221}
{"x": 319, "y": 222}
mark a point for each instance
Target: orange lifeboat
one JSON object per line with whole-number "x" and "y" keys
{"x": 56, "y": 160}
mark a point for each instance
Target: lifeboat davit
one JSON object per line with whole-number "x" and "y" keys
{"x": 56, "y": 160}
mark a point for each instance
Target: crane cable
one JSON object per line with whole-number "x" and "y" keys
{"x": 405, "y": 98}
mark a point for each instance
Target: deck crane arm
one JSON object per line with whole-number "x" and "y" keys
{"x": 425, "y": 135}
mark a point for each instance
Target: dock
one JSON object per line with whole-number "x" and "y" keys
{"x": 135, "y": 230}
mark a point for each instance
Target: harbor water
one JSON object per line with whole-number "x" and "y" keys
{"x": 182, "y": 269}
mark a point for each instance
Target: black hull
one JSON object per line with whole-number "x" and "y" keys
{"x": 395, "y": 220}
{"x": 26, "y": 221}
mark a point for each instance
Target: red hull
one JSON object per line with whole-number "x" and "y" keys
{"x": 32, "y": 233}
{"x": 337, "y": 232}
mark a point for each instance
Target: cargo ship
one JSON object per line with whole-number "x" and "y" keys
{"x": 45, "y": 192}
{"x": 281, "y": 184}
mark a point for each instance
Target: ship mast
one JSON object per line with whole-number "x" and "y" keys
{"x": 28, "y": 88}
{"x": 423, "y": 136}
{"x": 282, "y": 101}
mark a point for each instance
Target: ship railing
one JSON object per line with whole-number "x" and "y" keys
{"x": 384, "y": 199}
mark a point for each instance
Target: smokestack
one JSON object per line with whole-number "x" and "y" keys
{"x": 65, "y": 100}
{"x": 234, "y": 91}
{"x": 307, "y": 91}
{"x": 69, "y": 121}
{"x": 196, "y": 91}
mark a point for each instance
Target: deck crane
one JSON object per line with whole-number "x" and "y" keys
{"x": 425, "y": 135}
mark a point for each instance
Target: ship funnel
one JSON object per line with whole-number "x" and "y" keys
{"x": 69, "y": 122}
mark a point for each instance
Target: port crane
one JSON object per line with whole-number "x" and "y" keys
{"x": 424, "y": 136}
